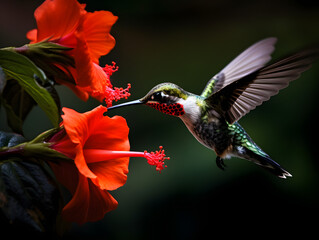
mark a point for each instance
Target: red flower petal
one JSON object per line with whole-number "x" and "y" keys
{"x": 57, "y": 18}
{"x": 89, "y": 203}
{"x": 32, "y": 35}
{"x": 83, "y": 95}
{"x": 92, "y": 130}
{"x": 111, "y": 174}
{"x": 96, "y": 28}
{"x": 90, "y": 76}
{"x": 112, "y": 134}
{"x": 76, "y": 126}
{"x": 111, "y": 170}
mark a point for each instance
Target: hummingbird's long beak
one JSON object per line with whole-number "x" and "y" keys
{"x": 135, "y": 102}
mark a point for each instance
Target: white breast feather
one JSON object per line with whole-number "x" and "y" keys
{"x": 192, "y": 110}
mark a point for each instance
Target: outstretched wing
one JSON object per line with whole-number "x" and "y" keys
{"x": 252, "y": 59}
{"x": 238, "y": 98}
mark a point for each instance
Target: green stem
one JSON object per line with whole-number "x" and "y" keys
{"x": 16, "y": 150}
{"x": 9, "y": 49}
{"x": 34, "y": 150}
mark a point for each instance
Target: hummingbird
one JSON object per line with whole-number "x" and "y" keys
{"x": 241, "y": 86}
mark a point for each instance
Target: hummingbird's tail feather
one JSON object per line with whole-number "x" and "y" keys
{"x": 267, "y": 163}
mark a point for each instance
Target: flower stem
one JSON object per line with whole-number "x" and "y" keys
{"x": 7, "y": 151}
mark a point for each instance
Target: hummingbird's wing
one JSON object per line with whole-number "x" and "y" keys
{"x": 252, "y": 59}
{"x": 238, "y": 98}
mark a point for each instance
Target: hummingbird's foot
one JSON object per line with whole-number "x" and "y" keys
{"x": 220, "y": 163}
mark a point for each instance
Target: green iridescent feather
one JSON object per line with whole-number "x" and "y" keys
{"x": 209, "y": 89}
{"x": 241, "y": 138}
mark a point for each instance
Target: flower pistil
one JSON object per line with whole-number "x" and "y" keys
{"x": 156, "y": 158}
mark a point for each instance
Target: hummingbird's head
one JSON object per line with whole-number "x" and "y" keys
{"x": 170, "y": 99}
{"x": 167, "y": 98}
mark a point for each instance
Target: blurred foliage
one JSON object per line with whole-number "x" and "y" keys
{"x": 187, "y": 42}
{"x": 29, "y": 196}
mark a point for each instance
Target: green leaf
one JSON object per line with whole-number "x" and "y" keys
{"x": 29, "y": 198}
{"x": 49, "y": 86}
{"x": 20, "y": 68}
{"x": 51, "y": 58}
{"x": 17, "y": 103}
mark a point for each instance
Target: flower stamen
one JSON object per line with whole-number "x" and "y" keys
{"x": 156, "y": 159}
{"x": 110, "y": 69}
{"x": 111, "y": 93}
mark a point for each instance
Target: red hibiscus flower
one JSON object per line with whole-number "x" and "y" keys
{"x": 99, "y": 146}
{"x": 67, "y": 23}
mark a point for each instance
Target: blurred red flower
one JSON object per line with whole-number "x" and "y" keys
{"x": 66, "y": 22}
{"x": 99, "y": 146}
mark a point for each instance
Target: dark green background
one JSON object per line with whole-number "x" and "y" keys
{"x": 187, "y": 42}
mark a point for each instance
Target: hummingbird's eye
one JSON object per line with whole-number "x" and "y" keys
{"x": 157, "y": 96}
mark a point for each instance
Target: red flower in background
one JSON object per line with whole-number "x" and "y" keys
{"x": 66, "y": 22}
{"x": 99, "y": 146}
